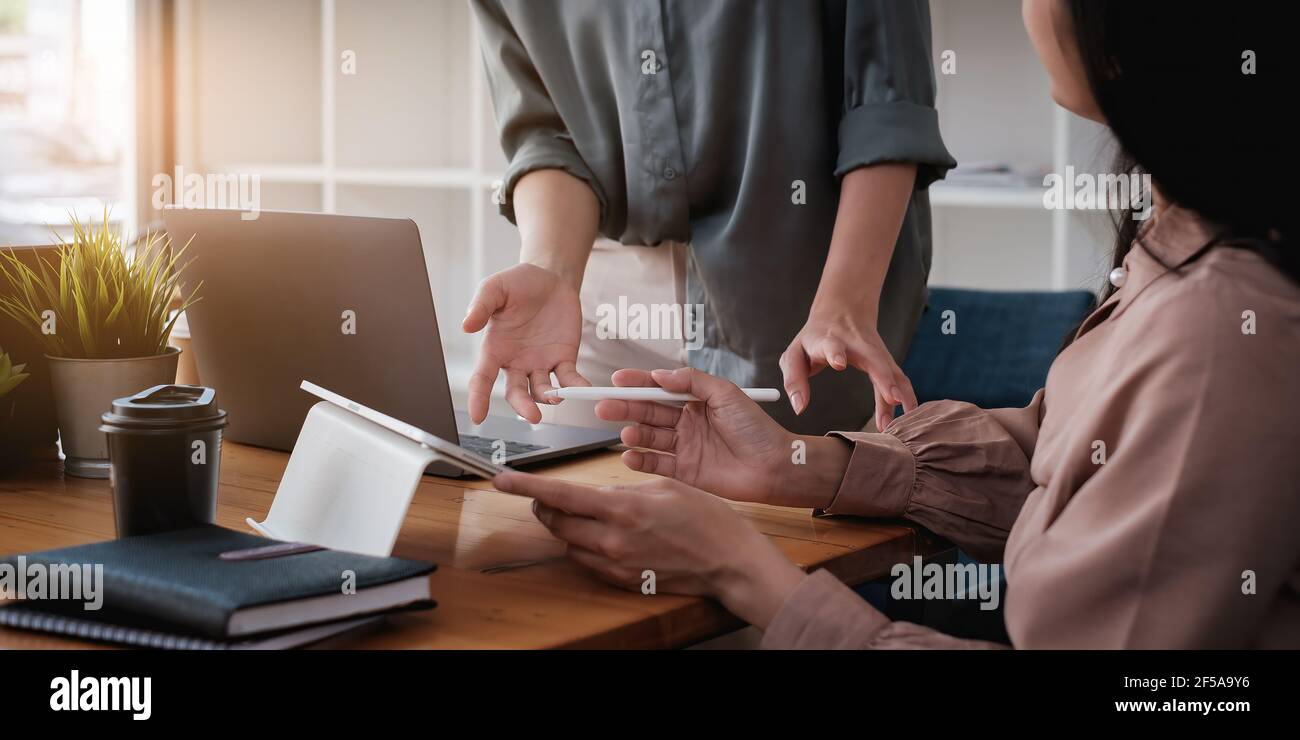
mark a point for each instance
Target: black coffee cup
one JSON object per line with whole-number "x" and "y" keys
{"x": 164, "y": 447}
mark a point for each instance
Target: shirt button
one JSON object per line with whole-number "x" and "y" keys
{"x": 669, "y": 173}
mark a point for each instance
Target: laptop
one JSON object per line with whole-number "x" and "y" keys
{"x": 342, "y": 301}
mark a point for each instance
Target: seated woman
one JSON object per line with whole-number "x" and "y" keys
{"x": 1149, "y": 496}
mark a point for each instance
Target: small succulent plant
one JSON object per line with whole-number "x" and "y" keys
{"x": 11, "y": 375}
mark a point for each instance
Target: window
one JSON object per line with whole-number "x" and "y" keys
{"x": 66, "y": 115}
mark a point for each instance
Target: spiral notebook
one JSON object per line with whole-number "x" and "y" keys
{"x": 127, "y": 630}
{"x": 212, "y": 587}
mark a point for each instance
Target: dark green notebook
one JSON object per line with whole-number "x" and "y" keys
{"x": 177, "y": 580}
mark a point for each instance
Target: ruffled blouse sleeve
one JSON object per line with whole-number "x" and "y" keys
{"x": 956, "y": 469}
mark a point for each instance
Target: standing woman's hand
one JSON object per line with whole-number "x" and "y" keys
{"x": 534, "y": 325}
{"x": 839, "y": 340}
{"x": 532, "y": 311}
{"x": 841, "y": 327}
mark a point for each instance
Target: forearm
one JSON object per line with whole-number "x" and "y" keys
{"x": 756, "y": 581}
{"x": 873, "y": 202}
{"x": 558, "y": 217}
{"x": 814, "y": 472}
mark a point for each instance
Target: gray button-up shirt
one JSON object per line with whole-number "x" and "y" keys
{"x": 727, "y": 124}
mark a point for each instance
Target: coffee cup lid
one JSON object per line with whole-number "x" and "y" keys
{"x": 166, "y": 405}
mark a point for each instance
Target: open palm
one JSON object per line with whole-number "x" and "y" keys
{"x": 723, "y": 443}
{"x": 534, "y": 325}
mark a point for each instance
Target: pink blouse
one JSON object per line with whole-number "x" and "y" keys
{"x": 1183, "y": 533}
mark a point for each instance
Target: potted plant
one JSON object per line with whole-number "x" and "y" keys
{"x": 11, "y": 376}
{"x": 103, "y": 319}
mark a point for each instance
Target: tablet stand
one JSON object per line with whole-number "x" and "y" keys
{"x": 348, "y": 484}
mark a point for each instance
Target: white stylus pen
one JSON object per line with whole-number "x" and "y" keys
{"x": 616, "y": 393}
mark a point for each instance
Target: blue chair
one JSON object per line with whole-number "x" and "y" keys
{"x": 1002, "y": 346}
{"x": 998, "y": 356}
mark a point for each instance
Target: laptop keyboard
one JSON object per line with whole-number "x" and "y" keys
{"x": 484, "y": 446}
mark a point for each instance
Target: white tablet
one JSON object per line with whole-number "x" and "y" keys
{"x": 448, "y": 451}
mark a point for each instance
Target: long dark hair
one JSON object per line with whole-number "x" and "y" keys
{"x": 1199, "y": 96}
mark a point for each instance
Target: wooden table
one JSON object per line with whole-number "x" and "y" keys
{"x": 467, "y": 527}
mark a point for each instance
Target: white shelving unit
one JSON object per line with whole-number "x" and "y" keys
{"x": 997, "y": 107}
{"x": 261, "y": 89}
{"x": 985, "y": 196}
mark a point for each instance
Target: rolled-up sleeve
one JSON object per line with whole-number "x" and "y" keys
{"x": 889, "y": 94}
{"x": 958, "y": 470}
{"x": 533, "y": 135}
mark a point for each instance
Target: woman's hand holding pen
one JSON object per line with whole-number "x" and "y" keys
{"x": 723, "y": 443}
